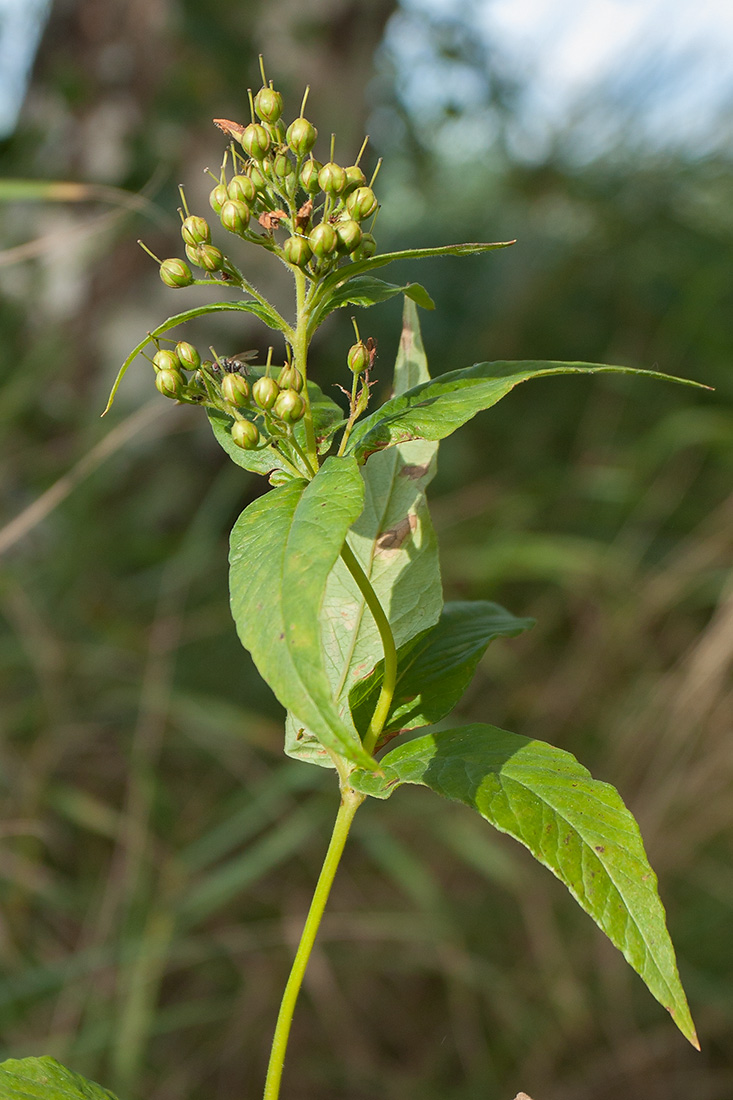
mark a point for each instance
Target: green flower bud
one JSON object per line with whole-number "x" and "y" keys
{"x": 358, "y": 357}
{"x": 268, "y": 104}
{"x": 175, "y": 273}
{"x": 235, "y": 389}
{"x": 297, "y": 250}
{"x": 195, "y": 230}
{"x": 235, "y": 216}
{"x": 164, "y": 359}
{"x": 259, "y": 181}
{"x": 265, "y": 392}
{"x": 301, "y": 136}
{"x": 282, "y": 166}
{"x": 290, "y": 378}
{"x": 354, "y": 178}
{"x": 170, "y": 383}
{"x": 349, "y": 234}
{"x": 255, "y": 140}
{"x": 241, "y": 188}
{"x": 323, "y": 240}
{"x": 245, "y": 434}
{"x": 366, "y": 249}
{"x": 309, "y": 176}
{"x": 332, "y": 178}
{"x": 361, "y": 203}
{"x": 211, "y": 258}
{"x": 289, "y": 406}
{"x": 188, "y": 356}
{"x": 218, "y": 197}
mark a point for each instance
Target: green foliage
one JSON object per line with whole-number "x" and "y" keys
{"x": 46, "y": 1079}
{"x": 576, "y": 826}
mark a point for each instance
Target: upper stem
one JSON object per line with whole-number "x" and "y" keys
{"x": 300, "y": 354}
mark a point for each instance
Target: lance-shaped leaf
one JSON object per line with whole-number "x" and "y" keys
{"x": 265, "y": 313}
{"x": 327, "y": 416}
{"x": 434, "y": 670}
{"x": 366, "y": 291}
{"x": 575, "y": 825}
{"x": 433, "y": 410}
{"x": 344, "y": 274}
{"x": 46, "y": 1079}
{"x": 394, "y": 541}
{"x": 283, "y": 547}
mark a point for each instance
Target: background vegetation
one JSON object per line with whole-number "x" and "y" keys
{"x": 158, "y": 852}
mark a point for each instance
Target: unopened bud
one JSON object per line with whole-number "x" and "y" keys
{"x": 218, "y": 197}
{"x": 268, "y": 104}
{"x": 289, "y": 406}
{"x": 301, "y": 136}
{"x": 309, "y": 176}
{"x": 164, "y": 359}
{"x": 323, "y": 240}
{"x": 170, "y": 383}
{"x": 235, "y": 216}
{"x": 255, "y": 141}
{"x": 188, "y": 355}
{"x": 297, "y": 250}
{"x": 245, "y": 434}
{"x": 358, "y": 357}
{"x": 195, "y": 230}
{"x": 175, "y": 273}
{"x": 265, "y": 392}
{"x": 349, "y": 234}
{"x": 235, "y": 389}
{"x": 332, "y": 178}
{"x": 361, "y": 203}
{"x": 240, "y": 188}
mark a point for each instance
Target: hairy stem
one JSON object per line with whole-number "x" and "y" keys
{"x": 350, "y": 802}
{"x": 300, "y": 355}
{"x": 381, "y": 711}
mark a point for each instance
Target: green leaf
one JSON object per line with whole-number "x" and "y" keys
{"x": 575, "y": 825}
{"x": 46, "y": 1079}
{"x": 283, "y": 547}
{"x": 365, "y": 291}
{"x": 327, "y": 416}
{"x": 434, "y": 670}
{"x": 433, "y": 410}
{"x": 265, "y": 313}
{"x": 397, "y": 548}
{"x": 348, "y": 272}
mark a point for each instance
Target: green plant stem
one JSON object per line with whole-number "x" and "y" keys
{"x": 350, "y": 802}
{"x": 300, "y": 355}
{"x": 389, "y": 679}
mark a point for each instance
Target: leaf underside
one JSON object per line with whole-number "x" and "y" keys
{"x": 46, "y": 1079}
{"x": 396, "y": 545}
{"x": 575, "y": 825}
{"x": 434, "y": 669}
{"x": 283, "y": 547}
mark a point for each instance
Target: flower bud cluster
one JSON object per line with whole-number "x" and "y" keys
{"x": 223, "y": 384}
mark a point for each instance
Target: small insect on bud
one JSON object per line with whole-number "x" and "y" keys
{"x": 349, "y": 234}
{"x": 290, "y": 378}
{"x": 218, "y": 197}
{"x": 358, "y": 357}
{"x": 309, "y": 176}
{"x": 268, "y": 104}
{"x": 164, "y": 359}
{"x": 255, "y": 141}
{"x": 323, "y": 240}
{"x": 332, "y": 178}
{"x": 195, "y": 230}
{"x": 366, "y": 249}
{"x": 210, "y": 258}
{"x": 289, "y": 406}
{"x": 361, "y": 203}
{"x": 235, "y": 389}
{"x": 170, "y": 383}
{"x": 245, "y": 434}
{"x": 242, "y": 189}
{"x": 354, "y": 178}
{"x": 301, "y": 136}
{"x": 296, "y": 250}
{"x": 265, "y": 392}
{"x": 175, "y": 273}
{"x": 235, "y": 216}
{"x": 188, "y": 356}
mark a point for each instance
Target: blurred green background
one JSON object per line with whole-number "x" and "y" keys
{"x": 157, "y": 851}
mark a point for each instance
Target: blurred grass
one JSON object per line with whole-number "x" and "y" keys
{"x": 157, "y": 851}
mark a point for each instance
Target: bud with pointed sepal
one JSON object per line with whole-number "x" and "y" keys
{"x": 349, "y": 234}
{"x": 289, "y": 406}
{"x": 235, "y": 389}
{"x": 301, "y": 136}
{"x": 265, "y": 392}
{"x": 297, "y": 250}
{"x": 188, "y": 355}
{"x": 175, "y": 273}
{"x": 268, "y": 104}
{"x": 290, "y": 378}
{"x": 235, "y": 216}
{"x": 309, "y": 176}
{"x": 170, "y": 383}
{"x": 242, "y": 189}
{"x": 354, "y": 178}
{"x": 358, "y": 357}
{"x": 332, "y": 178}
{"x": 245, "y": 434}
{"x": 361, "y": 203}
{"x": 195, "y": 230}
{"x": 323, "y": 240}
{"x": 165, "y": 359}
{"x": 218, "y": 197}
{"x": 210, "y": 257}
{"x": 255, "y": 140}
